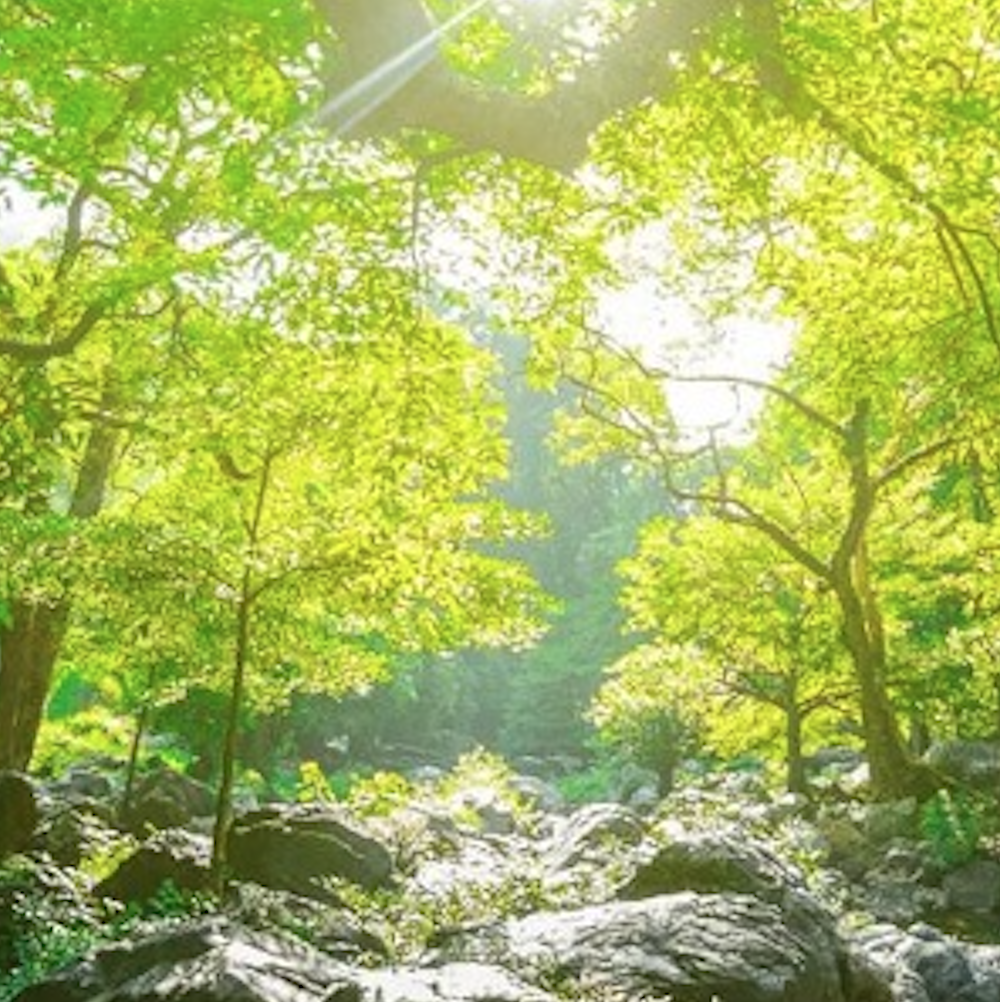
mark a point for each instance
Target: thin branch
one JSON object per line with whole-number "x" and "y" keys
{"x": 949, "y": 256}
{"x": 739, "y": 512}
{"x": 27, "y": 352}
{"x": 73, "y": 234}
{"x": 982, "y": 293}
{"x": 902, "y": 464}
{"x": 787, "y": 396}
{"x": 776, "y": 76}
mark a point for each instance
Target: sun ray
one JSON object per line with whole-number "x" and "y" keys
{"x": 365, "y": 96}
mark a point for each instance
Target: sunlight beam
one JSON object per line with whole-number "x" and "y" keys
{"x": 365, "y": 96}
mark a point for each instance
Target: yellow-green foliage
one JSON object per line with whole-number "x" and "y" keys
{"x": 96, "y": 731}
{"x": 313, "y": 784}
{"x": 380, "y": 794}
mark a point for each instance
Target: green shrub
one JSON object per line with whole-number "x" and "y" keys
{"x": 93, "y": 733}
{"x": 380, "y": 794}
{"x": 590, "y": 785}
{"x": 952, "y": 824}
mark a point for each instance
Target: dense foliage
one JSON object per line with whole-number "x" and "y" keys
{"x": 257, "y": 419}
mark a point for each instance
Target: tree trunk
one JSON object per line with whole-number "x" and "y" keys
{"x": 29, "y": 646}
{"x": 795, "y": 763}
{"x": 133, "y": 755}
{"x": 894, "y": 774}
{"x": 241, "y": 658}
{"x": 224, "y": 798}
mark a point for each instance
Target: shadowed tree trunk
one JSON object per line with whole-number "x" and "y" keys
{"x": 795, "y": 763}
{"x": 29, "y": 645}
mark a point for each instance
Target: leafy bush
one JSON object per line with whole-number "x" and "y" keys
{"x": 45, "y": 922}
{"x": 590, "y": 785}
{"x": 952, "y": 824}
{"x": 92, "y": 733}
{"x": 313, "y": 785}
{"x": 380, "y": 794}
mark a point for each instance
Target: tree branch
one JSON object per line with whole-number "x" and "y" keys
{"x": 22, "y": 351}
{"x": 787, "y": 396}
{"x": 739, "y": 512}
{"x": 390, "y": 91}
{"x": 902, "y": 464}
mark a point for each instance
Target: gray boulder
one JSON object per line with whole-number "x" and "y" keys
{"x": 211, "y": 960}
{"x": 973, "y": 763}
{"x": 921, "y": 964}
{"x": 216, "y": 960}
{"x": 713, "y": 862}
{"x": 973, "y": 887}
{"x": 165, "y": 798}
{"x": 586, "y": 834}
{"x": 459, "y": 982}
{"x": 177, "y": 857}
{"x": 82, "y": 783}
{"x": 687, "y": 947}
{"x": 71, "y": 832}
{"x": 338, "y": 933}
{"x": 295, "y": 848}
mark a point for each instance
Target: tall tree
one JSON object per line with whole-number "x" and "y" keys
{"x": 333, "y": 512}
{"x": 760, "y": 635}
{"x": 127, "y": 131}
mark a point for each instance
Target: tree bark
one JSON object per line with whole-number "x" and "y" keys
{"x": 795, "y": 763}
{"x": 141, "y": 722}
{"x": 29, "y": 646}
{"x": 230, "y": 743}
{"x": 894, "y": 773}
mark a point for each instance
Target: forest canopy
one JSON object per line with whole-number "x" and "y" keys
{"x": 263, "y": 430}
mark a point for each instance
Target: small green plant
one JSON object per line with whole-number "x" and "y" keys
{"x": 952, "y": 824}
{"x": 589, "y": 785}
{"x": 94, "y": 732}
{"x": 47, "y": 923}
{"x": 477, "y": 775}
{"x": 313, "y": 786}
{"x": 380, "y": 794}
{"x": 171, "y": 902}
{"x": 104, "y": 856}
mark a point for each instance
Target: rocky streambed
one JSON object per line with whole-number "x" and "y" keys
{"x": 718, "y": 893}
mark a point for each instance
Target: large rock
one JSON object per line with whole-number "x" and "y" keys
{"x": 211, "y": 960}
{"x": 18, "y": 812}
{"x": 972, "y": 763}
{"x": 338, "y": 933}
{"x": 215, "y": 960}
{"x": 165, "y": 798}
{"x": 923, "y": 965}
{"x": 586, "y": 834}
{"x": 70, "y": 833}
{"x": 973, "y": 887}
{"x": 687, "y": 947}
{"x": 458, "y": 982}
{"x": 177, "y": 857}
{"x": 713, "y": 862}
{"x": 294, "y": 849}
{"x": 82, "y": 784}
